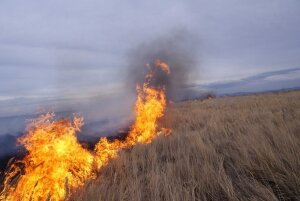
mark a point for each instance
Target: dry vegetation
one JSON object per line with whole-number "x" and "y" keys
{"x": 231, "y": 148}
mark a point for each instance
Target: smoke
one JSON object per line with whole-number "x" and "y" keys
{"x": 179, "y": 49}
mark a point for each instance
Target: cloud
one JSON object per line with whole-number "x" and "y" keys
{"x": 291, "y": 75}
{"x": 70, "y": 49}
{"x": 272, "y": 80}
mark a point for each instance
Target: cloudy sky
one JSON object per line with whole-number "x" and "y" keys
{"x": 75, "y": 52}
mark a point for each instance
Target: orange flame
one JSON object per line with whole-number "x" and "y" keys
{"x": 56, "y": 163}
{"x": 164, "y": 66}
{"x": 149, "y": 107}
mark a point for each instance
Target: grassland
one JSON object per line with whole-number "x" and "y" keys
{"x": 229, "y": 148}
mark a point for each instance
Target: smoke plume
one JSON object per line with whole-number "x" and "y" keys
{"x": 178, "y": 49}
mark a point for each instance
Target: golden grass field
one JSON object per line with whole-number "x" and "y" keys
{"x": 229, "y": 148}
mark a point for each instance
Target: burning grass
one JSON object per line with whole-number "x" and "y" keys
{"x": 56, "y": 164}
{"x": 231, "y": 148}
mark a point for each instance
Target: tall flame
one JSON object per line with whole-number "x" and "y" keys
{"x": 57, "y": 163}
{"x": 163, "y": 65}
{"x": 149, "y": 106}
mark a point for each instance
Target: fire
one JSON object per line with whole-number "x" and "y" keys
{"x": 163, "y": 65}
{"x": 57, "y": 163}
{"x": 106, "y": 150}
{"x": 149, "y": 107}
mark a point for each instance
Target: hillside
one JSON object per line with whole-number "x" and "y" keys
{"x": 229, "y": 148}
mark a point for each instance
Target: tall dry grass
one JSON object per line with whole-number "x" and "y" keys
{"x": 231, "y": 148}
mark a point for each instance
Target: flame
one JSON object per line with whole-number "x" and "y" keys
{"x": 57, "y": 163}
{"x": 163, "y": 65}
{"x": 149, "y": 107}
{"x": 106, "y": 150}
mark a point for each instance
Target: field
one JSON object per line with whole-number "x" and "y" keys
{"x": 228, "y": 148}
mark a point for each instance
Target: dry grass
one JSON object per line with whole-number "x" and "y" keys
{"x": 231, "y": 148}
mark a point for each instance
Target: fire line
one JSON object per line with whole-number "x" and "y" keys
{"x": 56, "y": 163}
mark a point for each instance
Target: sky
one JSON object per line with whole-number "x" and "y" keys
{"x": 62, "y": 55}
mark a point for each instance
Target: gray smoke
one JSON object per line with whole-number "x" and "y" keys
{"x": 179, "y": 49}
